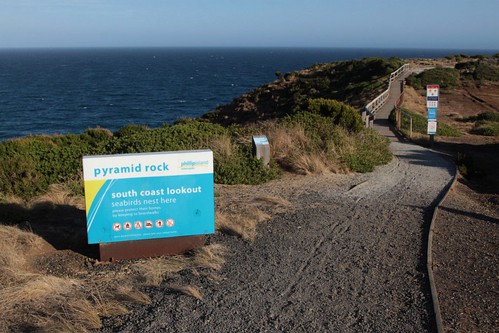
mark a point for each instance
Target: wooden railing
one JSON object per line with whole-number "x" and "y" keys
{"x": 370, "y": 109}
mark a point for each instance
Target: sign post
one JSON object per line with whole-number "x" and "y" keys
{"x": 261, "y": 148}
{"x": 432, "y": 99}
{"x": 142, "y": 205}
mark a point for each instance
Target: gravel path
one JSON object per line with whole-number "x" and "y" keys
{"x": 350, "y": 257}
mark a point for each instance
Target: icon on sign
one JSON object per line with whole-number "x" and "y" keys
{"x": 138, "y": 225}
{"x": 117, "y": 227}
{"x": 170, "y": 223}
{"x": 148, "y": 224}
{"x": 159, "y": 223}
{"x": 432, "y": 104}
{"x": 127, "y": 226}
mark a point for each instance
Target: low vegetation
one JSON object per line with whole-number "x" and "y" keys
{"x": 445, "y": 77}
{"x": 478, "y": 69}
{"x": 420, "y": 125}
{"x": 332, "y": 137}
{"x": 486, "y": 123}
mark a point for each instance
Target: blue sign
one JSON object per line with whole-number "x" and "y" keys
{"x": 147, "y": 196}
{"x": 432, "y": 114}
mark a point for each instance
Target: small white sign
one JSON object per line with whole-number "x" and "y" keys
{"x": 431, "y": 104}
{"x": 432, "y": 127}
{"x": 432, "y": 90}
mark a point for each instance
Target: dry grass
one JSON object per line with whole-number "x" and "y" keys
{"x": 35, "y": 301}
{"x": 222, "y": 145}
{"x": 14, "y": 245}
{"x": 296, "y": 152}
{"x": 191, "y": 291}
{"x": 242, "y": 218}
{"x": 286, "y": 142}
{"x": 241, "y": 224}
{"x": 154, "y": 271}
{"x": 45, "y": 303}
{"x": 312, "y": 163}
{"x": 57, "y": 194}
{"x": 272, "y": 201}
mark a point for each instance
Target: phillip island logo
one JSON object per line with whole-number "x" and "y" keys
{"x": 191, "y": 165}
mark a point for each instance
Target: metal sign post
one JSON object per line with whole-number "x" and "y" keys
{"x": 261, "y": 148}
{"x": 432, "y": 99}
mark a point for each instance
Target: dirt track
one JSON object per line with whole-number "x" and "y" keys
{"x": 349, "y": 257}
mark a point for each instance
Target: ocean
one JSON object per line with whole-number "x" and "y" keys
{"x": 60, "y": 91}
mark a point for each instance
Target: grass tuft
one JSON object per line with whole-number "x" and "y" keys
{"x": 154, "y": 271}
{"x": 191, "y": 291}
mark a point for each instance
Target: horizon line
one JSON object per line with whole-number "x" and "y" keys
{"x": 247, "y": 47}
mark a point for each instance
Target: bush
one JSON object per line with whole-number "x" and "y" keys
{"x": 486, "y": 128}
{"x": 243, "y": 168}
{"x": 340, "y": 113}
{"x": 186, "y": 135}
{"x": 339, "y": 148}
{"x": 485, "y": 116}
{"x": 444, "y": 77}
{"x": 29, "y": 165}
{"x": 349, "y": 81}
{"x": 486, "y": 72}
{"x": 371, "y": 150}
{"x": 130, "y": 130}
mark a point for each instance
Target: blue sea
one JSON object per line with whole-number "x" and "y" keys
{"x": 60, "y": 91}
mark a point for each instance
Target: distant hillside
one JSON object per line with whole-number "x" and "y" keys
{"x": 354, "y": 82}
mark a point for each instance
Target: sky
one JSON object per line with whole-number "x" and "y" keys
{"x": 440, "y": 24}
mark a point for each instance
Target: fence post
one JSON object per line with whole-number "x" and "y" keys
{"x": 399, "y": 119}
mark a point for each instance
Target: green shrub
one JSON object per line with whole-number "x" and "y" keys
{"x": 130, "y": 130}
{"x": 360, "y": 152}
{"x": 340, "y": 113}
{"x": 485, "y": 116}
{"x": 467, "y": 166}
{"x": 243, "y": 168}
{"x": 486, "y": 128}
{"x": 186, "y": 135}
{"x": 353, "y": 81}
{"x": 488, "y": 72}
{"x": 444, "y": 77}
{"x": 371, "y": 150}
{"x": 29, "y": 165}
